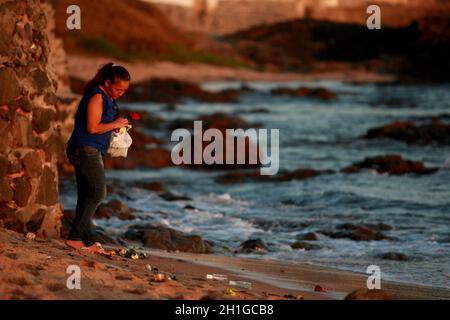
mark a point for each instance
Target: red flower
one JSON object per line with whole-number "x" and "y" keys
{"x": 135, "y": 116}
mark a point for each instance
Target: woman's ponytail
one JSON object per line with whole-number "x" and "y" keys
{"x": 109, "y": 72}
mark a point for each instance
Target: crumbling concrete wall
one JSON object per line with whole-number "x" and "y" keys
{"x": 29, "y": 132}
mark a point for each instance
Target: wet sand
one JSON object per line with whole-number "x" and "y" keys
{"x": 304, "y": 277}
{"x": 36, "y": 269}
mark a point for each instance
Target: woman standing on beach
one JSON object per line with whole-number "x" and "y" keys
{"x": 96, "y": 117}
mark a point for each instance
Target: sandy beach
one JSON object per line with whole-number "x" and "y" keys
{"x": 81, "y": 67}
{"x": 40, "y": 273}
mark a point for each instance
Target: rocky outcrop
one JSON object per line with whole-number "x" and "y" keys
{"x": 169, "y": 196}
{"x": 217, "y": 120}
{"x": 310, "y": 236}
{"x": 222, "y": 121}
{"x": 390, "y": 164}
{"x": 366, "y": 232}
{"x": 114, "y": 209}
{"x": 28, "y": 128}
{"x": 173, "y": 91}
{"x": 303, "y": 245}
{"x": 396, "y": 256}
{"x": 160, "y": 237}
{"x": 156, "y": 157}
{"x": 411, "y": 133}
{"x": 252, "y": 246}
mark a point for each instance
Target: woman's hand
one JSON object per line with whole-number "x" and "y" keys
{"x": 121, "y": 122}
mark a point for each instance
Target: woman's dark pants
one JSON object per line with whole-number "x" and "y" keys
{"x": 91, "y": 188}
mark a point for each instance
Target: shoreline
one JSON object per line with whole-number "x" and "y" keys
{"x": 84, "y": 67}
{"x": 338, "y": 282}
{"x": 40, "y": 273}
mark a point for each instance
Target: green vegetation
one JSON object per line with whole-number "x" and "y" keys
{"x": 176, "y": 52}
{"x": 98, "y": 45}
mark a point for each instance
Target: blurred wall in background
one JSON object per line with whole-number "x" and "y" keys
{"x": 227, "y": 16}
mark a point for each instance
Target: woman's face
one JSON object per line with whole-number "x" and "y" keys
{"x": 117, "y": 89}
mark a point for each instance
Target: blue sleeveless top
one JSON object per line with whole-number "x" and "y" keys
{"x": 80, "y": 136}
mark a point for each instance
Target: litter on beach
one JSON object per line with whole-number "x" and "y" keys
{"x": 240, "y": 284}
{"x": 30, "y": 236}
{"x": 292, "y": 297}
{"x": 229, "y": 292}
{"x": 131, "y": 253}
{"x": 159, "y": 277}
{"x": 217, "y": 276}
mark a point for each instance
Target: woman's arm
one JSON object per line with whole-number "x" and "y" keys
{"x": 94, "y": 117}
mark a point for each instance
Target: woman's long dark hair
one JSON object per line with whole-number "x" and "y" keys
{"x": 109, "y": 72}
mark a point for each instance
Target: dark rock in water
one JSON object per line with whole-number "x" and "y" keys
{"x": 241, "y": 177}
{"x": 217, "y": 120}
{"x": 114, "y": 209}
{"x": 444, "y": 240}
{"x": 246, "y": 88}
{"x": 160, "y": 237}
{"x": 379, "y": 226}
{"x": 357, "y": 233}
{"x": 375, "y": 227}
{"x": 151, "y": 186}
{"x": 394, "y": 256}
{"x": 301, "y": 174}
{"x": 391, "y": 164}
{"x": 278, "y": 224}
{"x": 171, "y": 107}
{"x": 255, "y": 176}
{"x": 119, "y": 189}
{"x": 409, "y": 132}
{"x": 168, "y": 196}
{"x": 230, "y": 146}
{"x": 257, "y": 110}
{"x": 156, "y": 157}
{"x": 252, "y": 246}
{"x": 320, "y": 93}
{"x": 366, "y": 294}
{"x": 289, "y": 202}
{"x": 189, "y": 207}
{"x": 310, "y": 236}
{"x": 305, "y": 245}
{"x": 173, "y": 91}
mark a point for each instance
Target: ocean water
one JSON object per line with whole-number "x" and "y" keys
{"x": 319, "y": 135}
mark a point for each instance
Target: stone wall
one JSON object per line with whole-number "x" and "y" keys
{"x": 29, "y": 132}
{"x": 66, "y": 102}
{"x": 228, "y": 16}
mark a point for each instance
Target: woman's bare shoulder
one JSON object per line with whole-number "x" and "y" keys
{"x": 96, "y": 97}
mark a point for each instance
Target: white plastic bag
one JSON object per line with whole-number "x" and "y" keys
{"x": 119, "y": 143}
